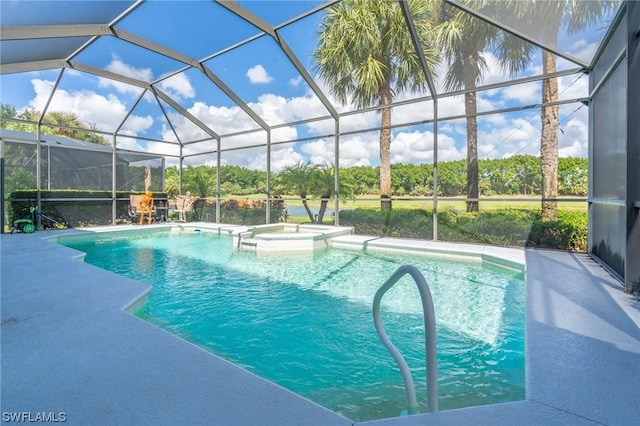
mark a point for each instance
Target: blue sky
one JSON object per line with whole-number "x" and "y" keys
{"x": 261, "y": 75}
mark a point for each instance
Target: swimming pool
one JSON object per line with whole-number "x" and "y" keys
{"x": 304, "y": 320}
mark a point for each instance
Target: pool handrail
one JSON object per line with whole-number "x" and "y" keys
{"x": 430, "y": 338}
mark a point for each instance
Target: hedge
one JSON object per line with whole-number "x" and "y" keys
{"x": 506, "y": 227}
{"x": 236, "y": 215}
{"x": 71, "y": 213}
{"x": 98, "y": 212}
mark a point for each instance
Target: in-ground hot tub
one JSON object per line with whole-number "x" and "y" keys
{"x": 287, "y": 237}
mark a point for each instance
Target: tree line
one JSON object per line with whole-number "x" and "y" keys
{"x": 512, "y": 176}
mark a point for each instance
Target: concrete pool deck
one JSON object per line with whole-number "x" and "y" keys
{"x": 67, "y": 346}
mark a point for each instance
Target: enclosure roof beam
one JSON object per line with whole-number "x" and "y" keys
{"x": 191, "y": 62}
{"x": 29, "y": 32}
{"x": 243, "y": 13}
{"x": 308, "y": 13}
{"x": 268, "y": 29}
{"x": 307, "y": 77}
{"x": 419, "y": 51}
{"x": 108, "y": 74}
{"x": 233, "y": 96}
{"x": 517, "y": 33}
{"x": 166, "y": 117}
{"x": 154, "y": 47}
{"x": 133, "y": 107}
{"x": 19, "y": 67}
{"x": 184, "y": 112}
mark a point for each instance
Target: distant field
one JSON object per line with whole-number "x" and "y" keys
{"x": 567, "y": 203}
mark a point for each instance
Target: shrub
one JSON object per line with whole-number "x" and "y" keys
{"x": 72, "y": 208}
{"x": 568, "y": 232}
{"x": 506, "y": 227}
{"x": 390, "y": 223}
{"x": 246, "y": 216}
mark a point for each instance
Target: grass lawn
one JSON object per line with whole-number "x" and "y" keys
{"x": 488, "y": 203}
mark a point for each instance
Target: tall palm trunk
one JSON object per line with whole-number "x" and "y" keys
{"x": 470, "y": 109}
{"x": 385, "y": 148}
{"x": 549, "y": 141}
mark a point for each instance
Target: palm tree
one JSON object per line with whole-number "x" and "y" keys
{"x": 299, "y": 178}
{"x": 549, "y": 17}
{"x": 324, "y": 185}
{"x": 198, "y": 180}
{"x": 203, "y": 182}
{"x": 365, "y": 54}
{"x": 463, "y": 39}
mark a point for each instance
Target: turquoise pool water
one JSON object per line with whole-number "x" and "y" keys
{"x": 304, "y": 321}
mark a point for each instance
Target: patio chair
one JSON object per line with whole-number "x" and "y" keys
{"x": 132, "y": 209}
{"x": 184, "y": 205}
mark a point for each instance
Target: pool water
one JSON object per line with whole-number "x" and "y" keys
{"x": 304, "y": 321}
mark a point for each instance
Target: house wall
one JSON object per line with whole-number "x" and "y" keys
{"x": 632, "y": 272}
{"x": 607, "y": 152}
{"x": 614, "y": 151}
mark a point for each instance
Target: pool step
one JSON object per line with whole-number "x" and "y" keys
{"x": 249, "y": 243}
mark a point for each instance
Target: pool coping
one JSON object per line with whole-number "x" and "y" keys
{"x": 582, "y": 343}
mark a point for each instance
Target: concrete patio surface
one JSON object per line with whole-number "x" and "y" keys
{"x": 67, "y": 346}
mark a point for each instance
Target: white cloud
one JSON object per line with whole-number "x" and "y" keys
{"x": 574, "y": 150}
{"x": 359, "y": 150}
{"x": 119, "y": 67}
{"x": 133, "y": 144}
{"x": 363, "y": 149}
{"x": 222, "y": 119}
{"x": 178, "y": 87}
{"x": 584, "y": 50}
{"x": 510, "y": 137}
{"x": 276, "y": 109}
{"x": 256, "y": 158}
{"x": 137, "y": 124}
{"x": 573, "y": 86}
{"x": 493, "y": 74}
{"x": 417, "y": 147}
{"x": 129, "y": 143}
{"x": 258, "y": 75}
{"x": 451, "y": 106}
{"x": 320, "y": 151}
{"x": 523, "y": 93}
{"x": 105, "y": 111}
{"x": 295, "y": 82}
{"x": 281, "y": 157}
{"x": 573, "y": 141}
{"x": 412, "y": 113}
{"x": 355, "y": 150}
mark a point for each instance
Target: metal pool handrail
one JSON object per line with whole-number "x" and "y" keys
{"x": 430, "y": 337}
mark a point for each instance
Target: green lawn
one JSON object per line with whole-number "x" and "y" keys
{"x": 488, "y": 203}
